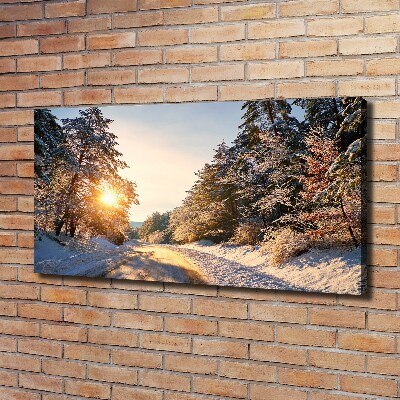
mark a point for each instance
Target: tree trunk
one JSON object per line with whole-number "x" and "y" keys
{"x": 72, "y": 226}
{"x": 355, "y": 241}
{"x": 59, "y": 224}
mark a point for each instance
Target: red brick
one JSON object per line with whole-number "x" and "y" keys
{"x": 89, "y": 24}
{"x": 41, "y": 63}
{"x": 384, "y": 365}
{"x": 64, "y": 368}
{"x": 26, "y": 204}
{"x": 123, "y": 393}
{"x": 266, "y": 312}
{"x": 8, "y": 239}
{"x": 315, "y": 379}
{"x": 40, "y": 311}
{"x": 279, "y": 354}
{"x": 8, "y": 344}
{"x": 190, "y": 326}
{"x": 276, "y": 29}
{"x": 19, "y": 328}
{"x": 245, "y": 92}
{"x": 340, "y": 318}
{"x": 349, "y": 6}
{"x": 117, "y": 77}
{"x": 164, "y": 304}
{"x": 260, "y": 392}
{"x": 19, "y": 362}
{"x": 106, "y": 7}
{"x": 163, "y": 75}
{"x": 8, "y": 273}
{"x": 368, "y": 385}
{"x": 163, "y": 37}
{"x": 138, "y": 20}
{"x": 39, "y": 99}
{"x": 8, "y": 378}
{"x": 7, "y": 31}
{"x": 39, "y": 347}
{"x": 62, "y": 44}
{"x": 70, "y": 9}
{"x": 155, "y": 4}
{"x": 307, "y": 7}
{"x": 223, "y": 348}
{"x": 197, "y": 93}
{"x": 87, "y": 96}
{"x": 366, "y": 342}
{"x": 25, "y": 170}
{"x": 334, "y": 360}
{"x": 16, "y": 117}
{"x": 23, "y": 222}
{"x": 188, "y": 55}
{"x": 111, "y": 40}
{"x": 14, "y": 82}
{"x": 8, "y": 203}
{"x": 14, "y": 394}
{"x": 307, "y": 337}
{"x": 136, "y": 358}
{"x": 7, "y": 65}
{"x": 164, "y": 380}
{"x": 8, "y": 309}
{"x": 252, "y": 11}
{"x": 88, "y": 60}
{"x": 112, "y": 300}
{"x": 197, "y": 365}
{"x": 165, "y": 342}
{"x": 63, "y": 332}
{"x": 191, "y": 16}
{"x": 138, "y": 321}
{"x": 87, "y": 317}
{"x": 137, "y": 57}
{"x": 86, "y": 353}
{"x": 21, "y": 12}
{"x": 220, "y": 387}
{"x": 63, "y": 295}
{"x": 87, "y": 389}
{"x": 218, "y": 308}
{"x": 62, "y": 79}
{"x": 113, "y": 337}
{"x": 138, "y": 95}
{"x": 112, "y": 374}
{"x": 384, "y": 322}
{"x": 42, "y": 28}
{"x": 8, "y": 169}
{"x": 7, "y": 100}
{"x": 247, "y": 371}
{"x": 38, "y": 382}
{"x": 223, "y": 33}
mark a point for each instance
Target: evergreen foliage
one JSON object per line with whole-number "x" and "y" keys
{"x": 283, "y": 173}
{"x": 75, "y": 163}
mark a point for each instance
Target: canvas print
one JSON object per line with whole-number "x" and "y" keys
{"x": 266, "y": 194}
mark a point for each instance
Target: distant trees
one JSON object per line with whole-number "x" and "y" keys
{"x": 75, "y": 163}
{"x": 281, "y": 173}
{"x": 155, "y": 229}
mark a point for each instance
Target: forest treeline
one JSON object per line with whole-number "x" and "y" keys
{"x": 284, "y": 180}
{"x": 76, "y": 162}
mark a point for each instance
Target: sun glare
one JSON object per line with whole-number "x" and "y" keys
{"x": 109, "y": 198}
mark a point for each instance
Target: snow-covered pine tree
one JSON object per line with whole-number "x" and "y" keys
{"x": 84, "y": 163}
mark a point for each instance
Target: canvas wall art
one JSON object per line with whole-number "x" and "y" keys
{"x": 266, "y": 194}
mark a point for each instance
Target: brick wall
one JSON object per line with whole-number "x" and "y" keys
{"x": 73, "y": 338}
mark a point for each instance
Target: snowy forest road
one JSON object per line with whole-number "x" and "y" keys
{"x": 135, "y": 260}
{"x": 148, "y": 262}
{"x": 327, "y": 271}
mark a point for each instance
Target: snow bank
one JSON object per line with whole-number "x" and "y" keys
{"x": 329, "y": 271}
{"x": 49, "y": 249}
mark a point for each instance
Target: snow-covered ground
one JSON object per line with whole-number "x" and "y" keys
{"x": 330, "y": 271}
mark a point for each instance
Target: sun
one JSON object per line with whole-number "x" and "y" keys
{"x": 109, "y": 198}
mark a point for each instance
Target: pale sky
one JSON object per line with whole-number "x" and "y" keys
{"x": 165, "y": 145}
